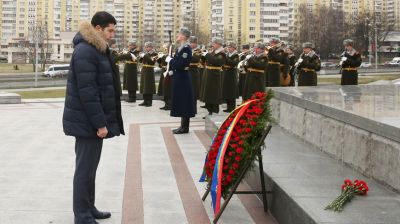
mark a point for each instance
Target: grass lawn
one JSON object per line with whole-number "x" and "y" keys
{"x": 361, "y": 79}
{"x": 9, "y": 68}
{"x": 51, "y": 93}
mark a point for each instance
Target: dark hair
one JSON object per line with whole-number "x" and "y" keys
{"x": 103, "y": 19}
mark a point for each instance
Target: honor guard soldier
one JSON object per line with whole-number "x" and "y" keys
{"x": 307, "y": 66}
{"x": 212, "y": 93}
{"x": 114, "y": 54}
{"x": 284, "y": 65}
{"x": 255, "y": 71}
{"x": 194, "y": 66}
{"x": 274, "y": 62}
{"x": 350, "y": 61}
{"x": 292, "y": 61}
{"x": 242, "y": 73}
{"x": 164, "y": 89}
{"x": 230, "y": 77}
{"x": 130, "y": 82}
{"x": 147, "y": 79}
{"x": 183, "y": 104}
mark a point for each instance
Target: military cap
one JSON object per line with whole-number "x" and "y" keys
{"x": 245, "y": 46}
{"x": 275, "y": 40}
{"x": 193, "y": 39}
{"x": 185, "y": 32}
{"x": 259, "y": 45}
{"x": 148, "y": 44}
{"x": 291, "y": 47}
{"x": 132, "y": 42}
{"x": 231, "y": 44}
{"x": 218, "y": 40}
{"x": 308, "y": 45}
{"x": 348, "y": 42}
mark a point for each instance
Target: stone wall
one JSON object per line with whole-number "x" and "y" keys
{"x": 373, "y": 155}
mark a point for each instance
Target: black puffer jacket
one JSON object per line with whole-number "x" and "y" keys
{"x": 92, "y": 100}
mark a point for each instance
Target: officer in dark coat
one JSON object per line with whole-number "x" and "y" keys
{"x": 162, "y": 87}
{"x": 230, "y": 77}
{"x": 212, "y": 93}
{"x": 274, "y": 62}
{"x": 182, "y": 91}
{"x": 92, "y": 110}
{"x": 308, "y": 65}
{"x": 130, "y": 70}
{"x": 255, "y": 71}
{"x": 242, "y": 73}
{"x": 284, "y": 65}
{"x": 204, "y": 73}
{"x": 147, "y": 79}
{"x": 350, "y": 61}
{"x": 292, "y": 61}
{"x": 194, "y": 66}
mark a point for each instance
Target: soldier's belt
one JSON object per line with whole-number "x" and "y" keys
{"x": 164, "y": 66}
{"x": 255, "y": 70}
{"x": 349, "y": 69}
{"x": 227, "y": 67}
{"x": 195, "y": 64}
{"x": 148, "y": 66}
{"x": 131, "y": 62}
{"x": 308, "y": 69}
{"x": 214, "y": 67}
{"x": 274, "y": 62}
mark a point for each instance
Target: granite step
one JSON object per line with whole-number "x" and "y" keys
{"x": 304, "y": 180}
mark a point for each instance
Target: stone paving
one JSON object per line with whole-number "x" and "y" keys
{"x": 146, "y": 176}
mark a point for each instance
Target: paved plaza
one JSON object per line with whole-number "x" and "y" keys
{"x": 147, "y": 176}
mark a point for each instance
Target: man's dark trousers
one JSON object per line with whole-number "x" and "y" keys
{"x": 88, "y": 152}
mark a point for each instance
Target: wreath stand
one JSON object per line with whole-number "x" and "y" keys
{"x": 234, "y": 190}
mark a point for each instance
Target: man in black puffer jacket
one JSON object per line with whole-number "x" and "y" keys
{"x": 92, "y": 109}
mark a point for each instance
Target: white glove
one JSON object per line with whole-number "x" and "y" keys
{"x": 248, "y": 56}
{"x": 204, "y": 54}
{"x": 141, "y": 54}
{"x": 133, "y": 57}
{"x": 344, "y": 59}
{"x": 168, "y": 59}
{"x": 298, "y": 62}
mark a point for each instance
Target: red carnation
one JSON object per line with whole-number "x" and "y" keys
{"x": 235, "y": 165}
{"x": 230, "y": 153}
{"x": 229, "y": 178}
{"x": 241, "y": 142}
{"x": 238, "y": 158}
{"x": 248, "y": 130}
{"x": 239, "y": 150}
{"x": 231, "y": 172}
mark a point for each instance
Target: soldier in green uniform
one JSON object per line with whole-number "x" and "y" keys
{"x": 230, "y": 77}
{"x": 242, "y": 73}
{"x": 308, "y": 65}
{"x": 212, "y": 92}
{"x": 194, "y": 66}
{"x": 147, "y": 79}
{"x": 284, "y": 65}
{"x": 274, "y": 62}
{"x": 130, "y": 70}
{"x": 161, "y": 84}
{"x": 350, "y": 61}
{"x": 292, "y": 61}
{"x": 204, "y": 73}
{"x": 255, "y": 71}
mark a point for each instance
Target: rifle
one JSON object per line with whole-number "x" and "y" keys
{"x": 169, "y": 54}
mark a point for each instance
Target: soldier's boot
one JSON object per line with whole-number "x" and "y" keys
{"x": 185, "y": 121}
{"x": 144, "y": 103}
{"x": 131, "y": 97}
{"x": 149, "y": 102}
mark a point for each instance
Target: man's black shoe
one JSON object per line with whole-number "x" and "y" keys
{"x": 143, "y": 104}
{"x": 204, "y": 106}
{"x": 163, "y": 108}
{"x": 100, "y": 215}
{"x": 130, "y": 100}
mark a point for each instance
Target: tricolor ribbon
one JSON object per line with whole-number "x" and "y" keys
{"x": 216, "y": 181}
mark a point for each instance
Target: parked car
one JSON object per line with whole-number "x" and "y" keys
{"x": 327, "y": 65}
{"x": 56, "y": 71}
{"x": 395, "y": 62}
{"x": 365, "y": 65}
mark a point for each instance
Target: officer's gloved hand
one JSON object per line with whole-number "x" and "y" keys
{"x": 299, "y": 62}
{"x": 344, "y": 59}
{"x": 133, "y": 57}
{"x": 248, "y": 56}
{"x": 204, "y": 53}
{"x": 141, "y": 54}
{"x": 168, "y": 59}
